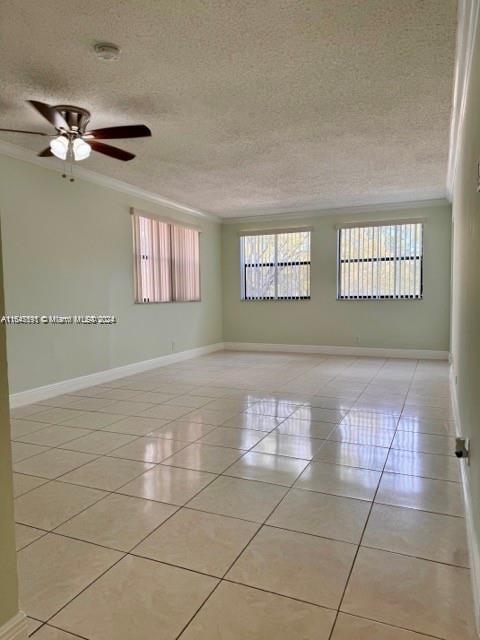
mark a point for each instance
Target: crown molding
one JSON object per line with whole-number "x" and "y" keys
{"x": 417, "y": 200}
{"x": 468, "y": 17}
{"x": 27, "y": 155}
{"x": 360, "y": 209}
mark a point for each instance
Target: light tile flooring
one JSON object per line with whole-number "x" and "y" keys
{"x": 245, "y": 497}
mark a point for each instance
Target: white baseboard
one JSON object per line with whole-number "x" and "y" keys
{"x": 16, "y": 628}
{"x": 373, "y": 352}
{"x": 472, "y": 542}
{"x": 74, "y": 384}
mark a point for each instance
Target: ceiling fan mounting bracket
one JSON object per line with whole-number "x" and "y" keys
{"x": 76, "y": 117}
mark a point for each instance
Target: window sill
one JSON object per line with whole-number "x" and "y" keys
{"x": 381, "y": 299}
{"x": 165, "y": 302}
{"x": 304, "y": 299}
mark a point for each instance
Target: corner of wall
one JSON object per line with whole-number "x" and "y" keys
{"x": 16, "y": 628}
{"x": 472, "y": 539}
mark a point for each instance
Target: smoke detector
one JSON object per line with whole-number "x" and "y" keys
{"x": 107, "y": 51}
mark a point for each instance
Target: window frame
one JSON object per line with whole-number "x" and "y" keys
{"x": 135, "y": 213}
{"x": 394, "y": 259}
{"x": 275, "y": 264}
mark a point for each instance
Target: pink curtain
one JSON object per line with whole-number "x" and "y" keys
{"x": 166, "y": 261}
{"x": 153, "y": 280}
{"x": 185, "y": 263}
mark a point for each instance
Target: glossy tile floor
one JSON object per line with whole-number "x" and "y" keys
{"x": 245, "y": 497}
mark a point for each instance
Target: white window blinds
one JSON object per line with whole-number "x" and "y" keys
{"x": 275, "y": 266}
{"x": 166, "y": 261}
{"x": 380, "y": 261}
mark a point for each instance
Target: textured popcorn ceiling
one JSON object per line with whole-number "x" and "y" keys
{"x": 255, "y": 105}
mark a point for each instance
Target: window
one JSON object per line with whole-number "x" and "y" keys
{"x": 275, "y": 266}
{"x": 380, "y": 261}
{"x": 166, "y": 260}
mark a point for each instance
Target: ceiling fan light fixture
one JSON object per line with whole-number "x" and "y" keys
{"x": 59, "y": 147}
{"x": 81, "y": 149}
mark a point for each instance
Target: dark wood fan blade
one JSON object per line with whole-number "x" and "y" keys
{"x": 45, "y": 153}
{"x": 128, "y": 131}
{"x": 35, "y": 133}
{"x": 113, "y": 152}
{"x": 49, "y": 113}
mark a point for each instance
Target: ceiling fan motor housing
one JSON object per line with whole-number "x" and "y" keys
{"x": 76, "y": 117}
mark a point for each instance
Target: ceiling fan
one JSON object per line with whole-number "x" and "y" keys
{"x": 72, "y": 141}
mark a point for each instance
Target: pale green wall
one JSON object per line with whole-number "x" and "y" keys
{"x": 325, "y": 321}
{"x": 68, "y": 250}
{"x": 8, "y": 557}
{"x": 466, "y": 284}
